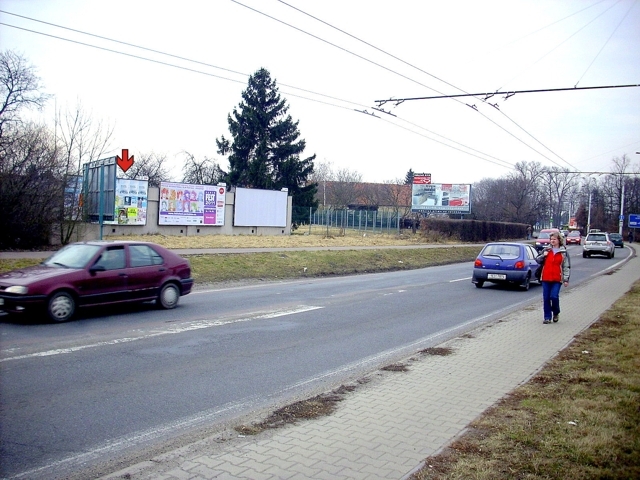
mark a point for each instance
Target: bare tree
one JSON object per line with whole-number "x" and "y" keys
{"x": 202, "y": 172}
{"x": 152, "y": 166}
{"x": 559, "y": 186}
{"x": 322, "y": 173}
{"x": 344, "y": 189}
{"x": 19, "y": 89}
{"x": 29, "y": 187}
{"x": 80, "y": 140}
{"x": 397, "y": 195}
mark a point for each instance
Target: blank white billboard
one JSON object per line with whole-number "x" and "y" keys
{"x": 260, "y": 208}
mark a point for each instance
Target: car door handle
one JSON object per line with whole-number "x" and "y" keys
{"x": 161, "y": 269}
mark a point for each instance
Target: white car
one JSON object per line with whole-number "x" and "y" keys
{"x": 598, "y": 244}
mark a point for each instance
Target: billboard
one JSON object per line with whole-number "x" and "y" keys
{"x": 440, "y": 197}
{"x": 130, "y": 207}
{"x": 100, "y": 189}
{"x": 187, "y": 204}
{"x": 260, "y": 208}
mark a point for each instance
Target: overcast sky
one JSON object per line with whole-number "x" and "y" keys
{"x": 332, "y": 58}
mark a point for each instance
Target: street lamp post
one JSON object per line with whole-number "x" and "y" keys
{"x": 589, "y": 214}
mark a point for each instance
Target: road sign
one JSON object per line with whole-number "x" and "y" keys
{"x": 634, "y": 220}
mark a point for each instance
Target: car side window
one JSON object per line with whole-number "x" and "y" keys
{"x": 144, "y": 256}
{"x": 112, "y": 258}
{"x": 530, "y": 253}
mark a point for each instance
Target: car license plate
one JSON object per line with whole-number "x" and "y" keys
{"x": 496, "y": 276}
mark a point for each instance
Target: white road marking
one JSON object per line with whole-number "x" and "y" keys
{"x": 185, "y": 327}
{"x": 460, "y": 279}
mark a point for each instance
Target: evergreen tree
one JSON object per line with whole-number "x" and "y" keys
{"x": 265, "y": 148}
{"x": 408, "y": 180}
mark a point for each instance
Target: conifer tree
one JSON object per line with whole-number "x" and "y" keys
{"x": 265, "y": 148}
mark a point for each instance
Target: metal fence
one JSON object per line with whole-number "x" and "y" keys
{"x": 346, "y": 219}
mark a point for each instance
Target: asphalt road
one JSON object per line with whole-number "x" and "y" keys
{"x": 109, "y": 388}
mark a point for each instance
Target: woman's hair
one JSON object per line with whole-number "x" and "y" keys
{"x": 559, "y": 236}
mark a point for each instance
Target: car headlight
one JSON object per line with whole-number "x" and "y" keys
{"x": 16, "y": 289}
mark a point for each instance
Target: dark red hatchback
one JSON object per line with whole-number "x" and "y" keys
{"x": 96, "y": 273}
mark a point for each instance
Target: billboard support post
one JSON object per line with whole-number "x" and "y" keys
{"x": 101, "y": 201}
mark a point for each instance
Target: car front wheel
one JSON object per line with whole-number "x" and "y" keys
{"x": 168, "y": 296}
{"x": 61, "y": 307}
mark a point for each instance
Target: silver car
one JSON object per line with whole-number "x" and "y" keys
{"x": 598, "y": 244}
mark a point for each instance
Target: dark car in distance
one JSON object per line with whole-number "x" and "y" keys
{"x": 617, "y": 239}
{"x": 96, "y": 273}
{"x": 505, "y": 263}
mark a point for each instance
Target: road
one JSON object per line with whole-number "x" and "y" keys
{"x": 119, "y": 384}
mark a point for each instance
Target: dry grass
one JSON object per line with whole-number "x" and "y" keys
{"x": 579, "y": 418}
{"x": 318, "y": 406}
{"x": 221, "y": 268}
{"x": 301, "y": 238}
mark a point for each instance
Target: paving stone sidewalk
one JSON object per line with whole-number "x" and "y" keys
{"x": 385, "y": 431}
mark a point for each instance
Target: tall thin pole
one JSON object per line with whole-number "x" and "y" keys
{"x": 589, "y": 214}
{"x": 621, "y": 209}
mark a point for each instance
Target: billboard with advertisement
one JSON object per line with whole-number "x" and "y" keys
{"x": 187, "y": 204}
{"x": 441, "y": 198}
{"x": 421, "y": 178}
{"x": 130, "y": 202}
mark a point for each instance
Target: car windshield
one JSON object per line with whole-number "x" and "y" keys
{"x": 543, "y": 235}
{"x": 597, "y": 237}
{"x": 503, "y": 251}
{"x": 73, "y": 256}
{"x": 574, "y": 234}
{"x": 615, "y": 236}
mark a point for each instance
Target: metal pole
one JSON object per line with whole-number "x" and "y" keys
{"x": 621, "y": 221}
{"x": 101, "y": 201}
{"x": 589, "y": 214}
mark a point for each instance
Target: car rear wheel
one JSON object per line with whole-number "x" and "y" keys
{"x": 61, "y": 307}
{"x": 527, "y": 283}
{"x": 479, "y": 284}
{"x": 168, "y": 296}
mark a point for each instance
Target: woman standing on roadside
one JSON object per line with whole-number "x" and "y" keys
{"x": 555, "y": 272}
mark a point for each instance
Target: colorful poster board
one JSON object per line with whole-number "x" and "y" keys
{"x": 187, "y": 204}
{"x": 131, "y": 202}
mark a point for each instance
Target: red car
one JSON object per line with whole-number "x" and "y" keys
{"x": 96, "y": 273}
{"x": 574, "y": 237}
{"x": 543, "y": 238}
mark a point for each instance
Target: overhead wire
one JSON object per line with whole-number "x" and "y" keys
{"x": 149, "y": 50}
{"x": 607, "y": 41}
{"x": 219, "y": 76}
{"x": 419, "y": 83}
{"x": 561, "y": 43}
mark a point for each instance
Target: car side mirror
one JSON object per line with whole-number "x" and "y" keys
{"x": 97, "y": 268}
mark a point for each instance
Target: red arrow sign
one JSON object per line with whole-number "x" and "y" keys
{"x": 126, "y": 161}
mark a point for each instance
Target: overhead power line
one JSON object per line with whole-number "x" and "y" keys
{"x": 509, "y": 94}
{"x": 415, "y": 81}
{"x": 139, "y": 57}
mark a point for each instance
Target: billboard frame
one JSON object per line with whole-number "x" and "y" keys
{"x": 441, "y": 198}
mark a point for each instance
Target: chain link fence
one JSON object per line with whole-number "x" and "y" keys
{"x": 332, "y": 220}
